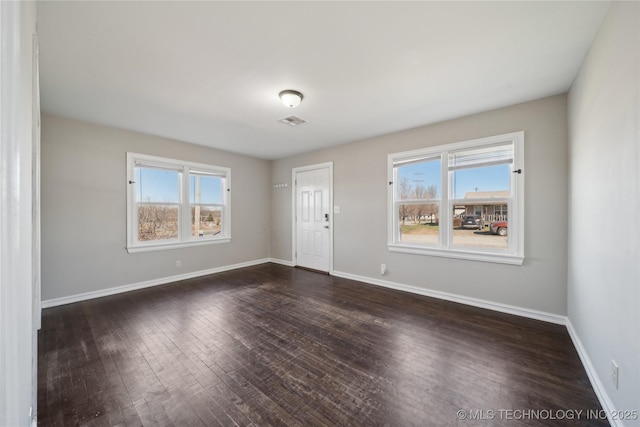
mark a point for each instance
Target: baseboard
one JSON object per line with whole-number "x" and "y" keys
{"x": 503, "y": 308}
{"x": 141, "y": 285}
{"x": 598, "y": 387}
{"x": 281, "y": 262}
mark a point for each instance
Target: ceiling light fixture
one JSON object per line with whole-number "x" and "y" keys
{"x": 290, "y": 98}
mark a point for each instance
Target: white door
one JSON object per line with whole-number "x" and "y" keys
{"x": 313, "y": 221}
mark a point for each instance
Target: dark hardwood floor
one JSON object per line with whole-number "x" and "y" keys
{"x": 273, "y": 345}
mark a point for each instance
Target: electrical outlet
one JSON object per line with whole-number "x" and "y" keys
{"x": 383, "y": 269}
{"x": 614, "y": 373}
{"x": 178, "y": 264}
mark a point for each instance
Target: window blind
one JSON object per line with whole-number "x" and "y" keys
{"x": 486, "y": 156}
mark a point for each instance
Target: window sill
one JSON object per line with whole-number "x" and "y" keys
{"x": 500, "y": 258}
{"x": 179, "y": 245}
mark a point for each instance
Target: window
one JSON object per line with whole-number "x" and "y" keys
{"x": 500, "y": 210}
{"x": 433, "y": 191}
{"x": 172, "y": 204}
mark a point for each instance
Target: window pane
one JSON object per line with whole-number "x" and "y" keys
{"x": 205, "y": 189}
{"x": 419, "y": 180}
{"x": 157, "y": 185}
{"x": 157, "y": 222}
{"x": 473, "y": 189}
{"x": 419, "y": 223}
{"x": 206, "y": 221}
{"x": 498, "y": 212}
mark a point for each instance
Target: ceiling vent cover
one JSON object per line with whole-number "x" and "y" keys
{"x": 293, "y": 120}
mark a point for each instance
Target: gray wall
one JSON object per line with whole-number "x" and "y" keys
{"x": 84, "y": 209}
{"x": 604, "y": 238}
{"x": 360, "y": 229}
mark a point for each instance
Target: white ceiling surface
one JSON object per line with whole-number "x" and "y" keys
{"x": 210, "y": 72}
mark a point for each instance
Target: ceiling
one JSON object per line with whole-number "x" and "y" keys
{"x": 210, "y": 72}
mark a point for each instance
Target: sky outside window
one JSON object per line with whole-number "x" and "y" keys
{"x": 210, "y": 189}
{"x": 157, "y": 185}
{"x": 425, "y": 173}
{"x": 163, "y": 186}
{"x": 488, "y": 178}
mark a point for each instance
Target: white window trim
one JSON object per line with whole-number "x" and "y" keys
{"x": 184, "y": 240}
{"x": 514, "y": 254}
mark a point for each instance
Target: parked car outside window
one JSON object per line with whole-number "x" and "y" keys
{"x": 499, "y": 228}
{"x": 471, "y": 221}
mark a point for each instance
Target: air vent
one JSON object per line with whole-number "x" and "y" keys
{"x": 293, "y": 121}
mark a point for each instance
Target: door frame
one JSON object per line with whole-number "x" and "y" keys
{"x": 294, "y": 189}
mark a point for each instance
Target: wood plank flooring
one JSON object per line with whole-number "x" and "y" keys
{"x": 273, "y": 345}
